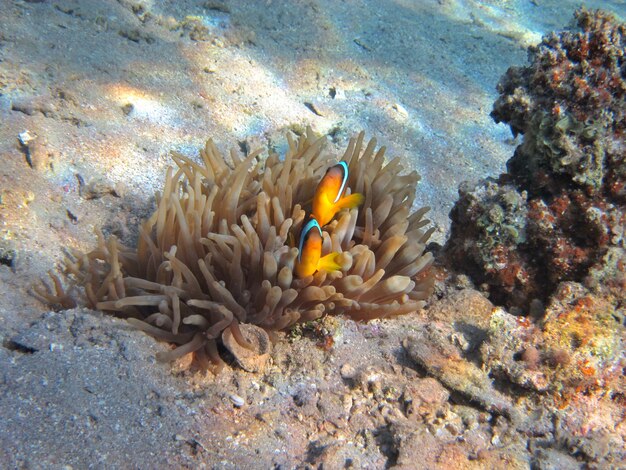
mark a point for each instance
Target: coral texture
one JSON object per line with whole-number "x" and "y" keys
{"x": 216, "y": 252}
{"x": 576, "y": 347}
{"x": 569, "y": 104}
{"x": 488, "y": 226}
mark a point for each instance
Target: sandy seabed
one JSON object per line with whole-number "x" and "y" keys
{"x": 93, "y": 96}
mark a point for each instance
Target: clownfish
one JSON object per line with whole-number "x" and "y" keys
{"x": 310, "y": 257}
{"x": 328, "y": 198}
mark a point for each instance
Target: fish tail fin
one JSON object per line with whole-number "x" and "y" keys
{"x": 329, "y": 262}
{"x": 351, "y": 201}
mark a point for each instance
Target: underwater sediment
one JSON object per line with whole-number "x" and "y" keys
{"x": 216, "y": 254}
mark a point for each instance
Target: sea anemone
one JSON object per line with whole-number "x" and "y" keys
{"x": 217, "y": 255}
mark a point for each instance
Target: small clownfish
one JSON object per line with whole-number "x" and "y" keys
{"x": 328, "y": 199}
{"x": 310, "y": 251}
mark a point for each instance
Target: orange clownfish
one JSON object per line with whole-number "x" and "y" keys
{"x": 328, "y": 199}
{"x": 310, "y": 252}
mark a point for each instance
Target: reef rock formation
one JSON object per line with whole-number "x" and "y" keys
{"x": 569, "y": 105}
{"x": 562, "y": 206}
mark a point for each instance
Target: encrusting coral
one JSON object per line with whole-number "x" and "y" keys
{"x": 569, "y": 104}
{"x": 216, "y": 254}
{"x": 562, "y": 206}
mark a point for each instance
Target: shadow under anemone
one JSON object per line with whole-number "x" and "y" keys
{"x": 215, "y": 254}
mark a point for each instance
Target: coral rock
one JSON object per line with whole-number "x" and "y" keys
{"x": 571, "y": 168}
{"x": 569, "y": 104}
{"x": 434, "y": 351}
